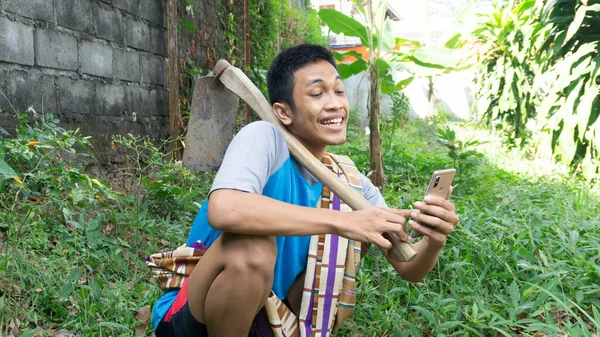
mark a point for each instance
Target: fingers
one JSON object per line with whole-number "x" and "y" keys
{"x": 440, "y": 212}
{"x": 433, "y": 223}
{"x": 378, "y": 226}
{"x": 437, "y": 201}
{"x": 395, "y": 215}
{"x": 434, "y": 218}
{"x": 400, "y": 212}
{"x": 382, "y": 242}
{"x": 400, "y": 217}
{"x": 420, "y": 229}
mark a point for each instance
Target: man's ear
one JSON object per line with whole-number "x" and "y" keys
{"x": 283, "y": 112}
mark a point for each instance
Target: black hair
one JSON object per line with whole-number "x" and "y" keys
{"x": 280, "y": 77}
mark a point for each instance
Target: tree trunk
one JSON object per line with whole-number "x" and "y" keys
{"x": 174, "y": 114}
{"x": 431, "y": 98}
{"x": 377, "y": 177}
{"x": 247, "y": 110}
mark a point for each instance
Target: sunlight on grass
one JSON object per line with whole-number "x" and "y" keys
{"x": 512, "y": 160}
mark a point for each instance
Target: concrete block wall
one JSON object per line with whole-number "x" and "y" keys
{"x": 98, "y": 65}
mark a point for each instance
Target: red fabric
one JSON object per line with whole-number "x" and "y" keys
{"x": 180, "y": 301}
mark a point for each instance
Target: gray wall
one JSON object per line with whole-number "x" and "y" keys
{"x": 97, "y": 65}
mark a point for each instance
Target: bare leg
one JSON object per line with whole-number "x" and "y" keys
{"x": 231, "y": 283}
{"x": 295, "y": 293}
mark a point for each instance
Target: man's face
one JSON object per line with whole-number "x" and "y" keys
{"x": 322, "y": 107}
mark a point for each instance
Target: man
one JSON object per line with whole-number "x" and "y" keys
{"x": 259, "y": 217}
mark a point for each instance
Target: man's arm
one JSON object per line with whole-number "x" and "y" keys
{"x": 434, "y": 218}
{"x": 253, "y": 214}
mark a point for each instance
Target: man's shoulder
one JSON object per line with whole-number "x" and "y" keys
{"x": 260, "y": 141}
{"x": 264, "y": 128}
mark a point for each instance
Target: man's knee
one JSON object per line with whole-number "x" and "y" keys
{"x": 251, "y": 254}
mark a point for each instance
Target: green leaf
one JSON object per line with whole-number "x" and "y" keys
{"x": 428, "y": 315}
{"x": 354, "y": 68}
{"x": 401, "y": 85}
{"x": 594, "y": 8}
{"x": 360, "y": 7}
{"x": 340, "y": 23}
{"x": 75, "y": 274}
{"x": 438, "y": 58}
{"x": 525, "y": 6}
{"x": 95, "y": 289}
{"x": 6, "y": 171}
{"x": 454, "y": 41}
{"x": 78, "y": 195}
{"x": 382, "y": 67}
{"x": 447, "y": 325}
{"x": 400, "y": 41}
{"x": 515, "y": 294}
{"x": 388, "y": 41}
{"x": 577, "y": 21}
{"x": 31, "y": 333}
{"x": 113, "y": 325}
{"x": 566, "y": 144}
{"x": 341, "y": 56}
{"x": 387, "y": 84}
{"x": 65, "y": 290}
{"x": 584, "y": 108}
{"x": 75, "y": 224}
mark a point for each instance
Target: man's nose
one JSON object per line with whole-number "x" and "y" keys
{"x": 334, "y": 102}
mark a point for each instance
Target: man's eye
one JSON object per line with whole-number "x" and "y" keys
{"x": 340, "y": 92}
{"x": 316, "y": 94}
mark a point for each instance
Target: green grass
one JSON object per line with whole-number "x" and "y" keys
{"x": 523, "y": 260}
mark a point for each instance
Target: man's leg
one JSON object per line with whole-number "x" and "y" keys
{"x": 231, "y": 283}
{"x": 295, "y": 293}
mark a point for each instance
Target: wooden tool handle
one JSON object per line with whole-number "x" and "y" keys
{"x": 236, "y": 81}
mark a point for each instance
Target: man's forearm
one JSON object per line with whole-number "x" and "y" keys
{"x": 417, "y": 269}
{"x": 252, "y": 214}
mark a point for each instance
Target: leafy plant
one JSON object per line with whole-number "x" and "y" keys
{"x": 572, "y": 105}
{"x": 512, "y": 40}
{"x": 523, "y": 260}
{"x": 382, "y": 60}
{"x": 376, "y": 36}
{"x": 72, "y": 247}
{"x": 395, "y": 119}
{"x": 540, "y": 72}
{"x": 509, "y": 269}
{"x": 169, "y": 187}
{"x": 464, "y": 157}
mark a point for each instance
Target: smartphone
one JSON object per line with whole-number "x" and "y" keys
{"x": 440, "y": 183}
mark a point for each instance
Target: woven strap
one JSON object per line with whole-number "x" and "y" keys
{"x": 171, "y": 268}
{"x": 329, "y": 292}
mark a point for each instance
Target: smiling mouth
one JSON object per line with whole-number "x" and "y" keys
{"x": 333, "y": 122}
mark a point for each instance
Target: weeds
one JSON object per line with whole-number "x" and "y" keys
{"x": 73, "y": 247}
{"x": 523, "y": 261}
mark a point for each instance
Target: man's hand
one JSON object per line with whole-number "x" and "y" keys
{"x": 434, "y": 218}
{"x": 368, "y": 225}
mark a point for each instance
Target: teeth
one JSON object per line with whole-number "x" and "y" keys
{"x": 332, "y": 121}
